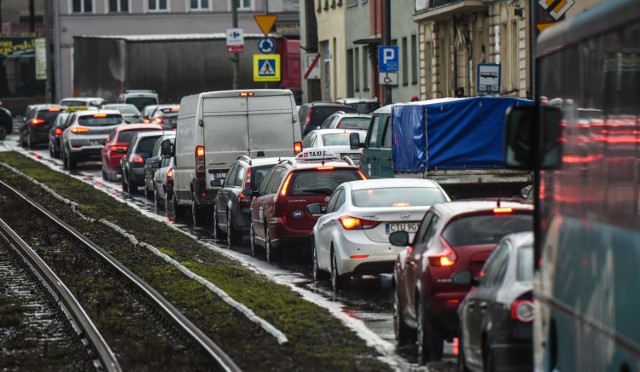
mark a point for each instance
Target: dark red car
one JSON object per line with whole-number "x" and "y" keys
{"x": 452, "y": 237}
{"x": 116, "y": 146}
{"x": 279, "y": 215}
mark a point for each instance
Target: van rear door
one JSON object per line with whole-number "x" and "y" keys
{"x": 272, "y": 124}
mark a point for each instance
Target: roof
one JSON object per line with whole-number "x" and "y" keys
{"x": 457, "y": 207}
{"x": 337, "y": 130}
{"x": 521, "y": 238}
{"x": 392, "y": 182}
{"x": 356, "y": 100}
{"x": 95, "y": 111}
{"x": 136, "y": 126}
{"x": 150, "y": 133}
{"x": 265, "y": 161}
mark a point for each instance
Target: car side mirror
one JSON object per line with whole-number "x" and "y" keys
{"x": 315, "y": 208}
{"x": 520, "y": 134}
{"x": 166, "y": 148}
{"x": 464, "y": 278}
{"x": 216, "y": 182}
{"x": 354, "y": 141}
{"x": 399, "y": 238}
{"x": 155, "y": 164}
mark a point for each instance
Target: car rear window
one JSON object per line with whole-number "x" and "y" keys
{"x": 319, "y": 114}
{"x": 365, "y": 107}
{"x": 141, "y": 102}
{"x": 485, "y": 229}
{"x": 127, "y": 135}
{"x": 397, "y": 197}
{"x": 320, "y": 182}
{"x": 48, "y": 116}
{"x": 99, "y": 121}
{"x": 339, "y": 139}
{"x": 354, "y": 123}
{"x": 524, "y": 270}
{"x": 145, "y": 146}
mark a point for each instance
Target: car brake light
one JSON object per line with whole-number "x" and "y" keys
{"x": 400, "y": 205}
{"x": 53, "y": 109}
{"x": 502, "y": 210}
{"x": 170, "y": 176}
{"x": 285, "y": 185}
{"x": 245, "y": 200}
{"x": 297, "y": 148}
{"x": 146, "y": 121}
{"x": 158, "y": 119}
{"x": 307, "y": 120}
{"x": 354, "y": 223}
{"x": 37, "y": 121}
{"x": 115, "y": 148}
{"x": 356, "y": 256}
{"x": 99, "y": 115}
{"x": 200, "y": 161}
{"x": 364, "y": 177}
{"x": 325, "y": 168}
{"x": 79, "y": 130}
{"x": 246, "y": 94}
{"x": 445, "y": 258}
{"x": 522, "y": 310}
{"x": 58, "y": 132}
{"x": 136, "y": 158}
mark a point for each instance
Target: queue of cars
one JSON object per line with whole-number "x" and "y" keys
{"x": 284, "y": 186}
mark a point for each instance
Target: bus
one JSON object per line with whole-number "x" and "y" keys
{"x": 586, "y": 166}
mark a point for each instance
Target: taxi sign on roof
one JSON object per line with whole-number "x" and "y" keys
{"x": 316, "y": 155}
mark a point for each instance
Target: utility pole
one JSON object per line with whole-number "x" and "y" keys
{"x": 386, "y": 40}
{"x": 48, "y": 44}
{"x": 236, "y": 56}
{"x": 56, "y": 50}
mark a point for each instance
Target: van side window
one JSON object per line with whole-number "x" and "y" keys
{"x": 372, "y": 136}
{"x": 386, "y": 139}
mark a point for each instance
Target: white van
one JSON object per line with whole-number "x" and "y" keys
{"x": 215, "y": 128}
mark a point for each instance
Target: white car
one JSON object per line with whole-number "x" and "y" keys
{"x": 351, "y": 237}
{"x": 163, "y": 183}
{"x": 336, "y": 140}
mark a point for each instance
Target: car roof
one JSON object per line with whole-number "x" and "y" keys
{"x": 264, "y": 160}
{"x": 458, "y": 207}
{"x": 150, "y": 133}
{"x": 136, "y": 126}
{"x": 334, "y": 163}
{"x": 353, "y": 114}
{"x": 331, "y": 104}
{"x": 521, "y": 238}
{"x": 91, "y": 112}
{"x": 337, "y": 130}
{"x": 356, "y": 100}
{"x": 391, "y": 182}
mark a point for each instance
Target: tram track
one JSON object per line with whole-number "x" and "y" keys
{"x": 143, "y": 331}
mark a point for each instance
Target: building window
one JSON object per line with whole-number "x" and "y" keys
{"x": 365, "y": 69}
{"x": 158, "y": 5}
{"x": 350, "y": 72}
{"x": 199, "y": 5}
{"x": 356, "y": 74}
{"x": 414, "y": 60}
{"x": 118, "y": 6}
{"x": 82, "y": 6}
{"x": 405, "y": 62}
{"x": 243, "y": 5}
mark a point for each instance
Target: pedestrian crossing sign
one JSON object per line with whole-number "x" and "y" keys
{"x": 266, "y": 67}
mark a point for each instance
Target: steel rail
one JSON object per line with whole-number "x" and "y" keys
{"x": 181, "y": 321}
{"x": 64, "y": 298}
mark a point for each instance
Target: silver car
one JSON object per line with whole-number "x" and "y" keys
{"x": 86, "y": 134}
{"x": 351, "y": 237}
{"x": 130, "y": 113}
{"x": 336, "y": 140}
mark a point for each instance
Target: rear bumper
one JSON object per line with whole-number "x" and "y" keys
{"x": 282, "y": 236}
{"x": 354, "y": 245}
{"x": 513, "y": 357}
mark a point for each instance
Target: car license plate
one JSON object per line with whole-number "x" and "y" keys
{"x": 220, "y": 175}
{"x": 408, "y": 227}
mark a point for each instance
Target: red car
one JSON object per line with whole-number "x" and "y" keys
{"x": 116, "y": 146}
{"x": 452, "y": 237}
{"x": 279, "y": 215}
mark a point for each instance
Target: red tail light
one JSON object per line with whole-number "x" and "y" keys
{"x": 99, "y": 115}
{"x": 79, "y": 130}
{"x": 503, "y": 210}
{"x": 522, "y": 311}
{"x": 444, "y": 259}
{"x": 307, "y": 120}
{"x": 245, "y": 200}
{"x": 325, "y": 168}
{"x": 297, "y": 148}
{"x": 364, "y": 177}
{"x": 58, "y": 132}
{"x": 37, "y": 121}
{"x": 246, "y": 94}
{"x": 146, "y": 121}
{"x": 285, "y": 185}
{"x": 158, "y": 120}
{"x": 170, "y": 176}
{"x": 354, "y": 223}
{"x": 54, "y": 109}
{"x": 200, "y": 161}
{"x": 115, "y": 148}
{"x": 136, "y": 158}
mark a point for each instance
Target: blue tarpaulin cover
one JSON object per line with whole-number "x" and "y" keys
{"x": 461, "y": 133}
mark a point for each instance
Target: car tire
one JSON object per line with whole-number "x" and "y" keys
{"x": 63, "y": 157}
{"x": 317, "y": 273}
{"x": 3, "y": 132}
{"x": 217, "y": 231}
{"x": 273, "y": 254}
{"x": 177, "y": 209}
{"x": 252, "y": 241}
{"x": 233, "y": 237}
{"x": 131, "y": 186}
{"x": 488, "y": 364}
{"x": 70, "y": 162}
{"x": 167, "y": 200}
{"x": 149, "y": 194}
{"x": 105, "y": 176}
{"x": 51, "y": 152}
{"x": 430, "y": 342}
{"x": 338, "y": 281}
{"x": 125, "y": 186}
{"x": 404, "y": 334}
{"x": 30, "y": 143}
{"x": 196, "y": 213}
{"x": 156, "y": 199}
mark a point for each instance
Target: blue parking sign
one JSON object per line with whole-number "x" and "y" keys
{"x": 388, "y": 59}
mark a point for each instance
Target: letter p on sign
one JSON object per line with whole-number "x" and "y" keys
{"x": 388, "y": 59}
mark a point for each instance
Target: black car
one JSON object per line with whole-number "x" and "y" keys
{"x": 313, "y": 114}
{"x": 132, "y": 163}
{"x": 343, "y": 120}
{"x": 232, "y": 212}
{"x": 166, "y": 115}
{"x": 153, "y": 163}
{"x": 55, "y": 133}
{"x": 496, "y": 315}
{"x": 6, "y": 123}
{"x": 361, "y": 105}
{"x": 34, "y": 128}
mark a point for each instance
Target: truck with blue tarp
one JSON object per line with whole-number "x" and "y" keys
{"x": 458, "y": 142}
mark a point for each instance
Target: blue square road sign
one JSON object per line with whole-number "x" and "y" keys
{"x": 387, "y": 59}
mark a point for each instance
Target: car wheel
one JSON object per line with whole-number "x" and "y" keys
{"x": 252, "y": 240}
{"x": 51, "y": 152}
{"x": 149, "y": 194}
{"x": 29, "y": 141}
{"x": 167, "y": 199}
{"x": 271, "y": 251}
{"x": 63, "y": 155}
{"x": 125, "y": 186}
{"x": 338, "y": 282}
{"x": 105, "y": 175}
{"x": 233, "y": 238}
{"x": 404, "y": 334}
{"x": 177, "y": 211}
{"x": 3, "y": 132}
{"x": 462, "y": 363}
{"x": 430, "y": 341}
{"x": 217, "y": 231}
{"x": 317, "y": 273}
{"x": 133, "y": 189}
{"x": 196, "y": 212}
{"x": 157, "y": 201}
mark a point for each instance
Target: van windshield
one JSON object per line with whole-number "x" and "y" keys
{"x": 141, "y": 102}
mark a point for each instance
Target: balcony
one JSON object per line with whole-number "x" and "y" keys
{"x": 434, "y": 10}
